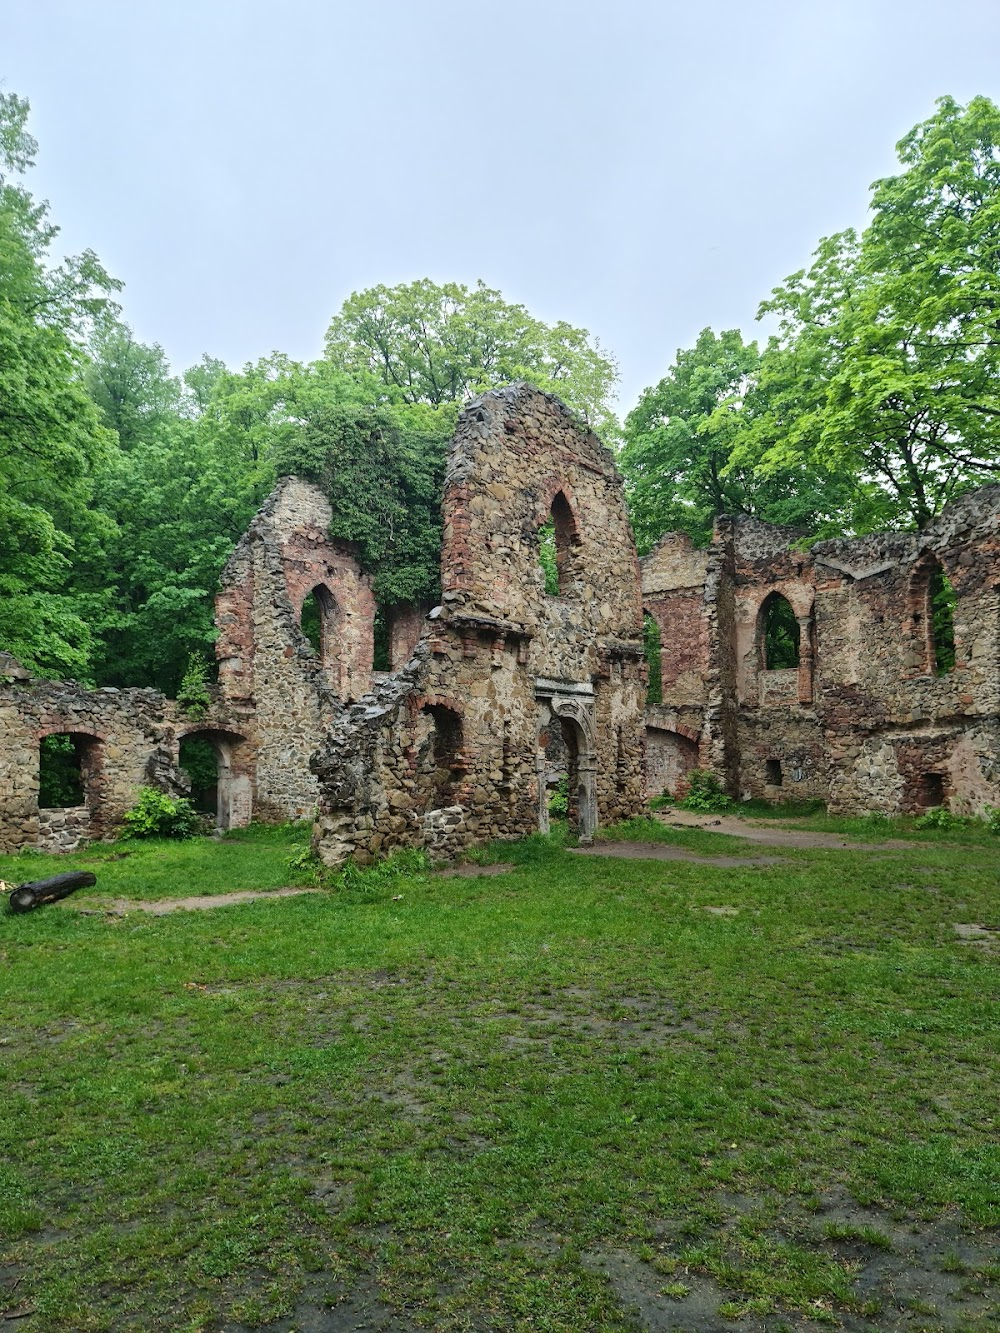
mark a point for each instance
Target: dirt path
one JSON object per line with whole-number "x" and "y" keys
{"x": 163, "y": 906}
{"x": 769, "y": 836}
{"x": 663, "y": 851}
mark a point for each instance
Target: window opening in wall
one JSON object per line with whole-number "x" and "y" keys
{"x": 316, "y": 620}
{"x": 200, "y": 762}
{"x": 941, "y": 596}
{"x": 382, "y": 659}
{"x": 930, "y": 790}
{"x": 556, "y": 538}
{"x": 780, "y": 632}
{"x": 773, "y": 772}
{"x": 547, "y": 557}
{"x": 653, "y": 651}
{"x": 444, "y": 750}
{"x": 61, "y": 777}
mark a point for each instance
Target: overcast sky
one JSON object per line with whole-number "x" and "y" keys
{"x": 639, "y": 168}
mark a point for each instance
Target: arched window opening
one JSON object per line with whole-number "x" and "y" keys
{"x": 652, "y": 649}
{"x": 66, "y": 766}
{"x": 319, "y": 613}
{"x": 441, "y": 754}
{"x": 933, "y": 610}
{"x": 199, "y": 760}
{"x": 779, "y": 634}
{"x": 556, "y": 538}
{"x": 941, "y": 598}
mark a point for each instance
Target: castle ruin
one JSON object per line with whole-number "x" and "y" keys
{"x": 841, "y": 672}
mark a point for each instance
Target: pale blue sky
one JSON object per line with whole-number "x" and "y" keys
{"x": 642, "y": 169}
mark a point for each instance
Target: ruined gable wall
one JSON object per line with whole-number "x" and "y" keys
{"x": 266, "y": 664}
{"x": 500, "y": 654}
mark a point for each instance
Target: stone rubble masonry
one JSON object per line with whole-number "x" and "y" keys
{"x": 450, "y": 751}
{"x": 267, "y": 665}
{"x": 864, "y": 722}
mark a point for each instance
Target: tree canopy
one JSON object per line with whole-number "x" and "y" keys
{"x": 879, "y": 398}
{"x": 51, "y": 439}
{"x": 421, "y": 342}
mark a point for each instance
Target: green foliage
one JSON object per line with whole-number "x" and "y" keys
{"x": 680, "y": 445}
{"x": 199, "y": 761}
{"x": 51, "y": 439}
{"x": 943, "y": 602}
{"x": 421, "y": 342}
{"x": 940, "y": 817}
{"x": 157, "y": 815}
{"x": 886, "y": 364}
{"x": 547, "y": 557}
{"x": 385, "y": 879}
{"x": 991, "y": 818}
{"x": 780, "y": 634}
{"x": 384, "y": 486}
{"x": 559, "y": 800}
{"x": 193, "y": 696}
{"x": 60, "y": 779}
{"x": 653, "y": 652}
{"x": 704, "y": 792}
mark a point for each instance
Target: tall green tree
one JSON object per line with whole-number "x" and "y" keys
{"x": 680, "y": 442}
{"x": 51, "y": 438}
{"x": 423, "y": 342}
{"x": 887, "y": 363}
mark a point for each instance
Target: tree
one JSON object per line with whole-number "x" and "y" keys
{"x": 887, "y": 361}
{"x": 131, "y": 384}
{"x": 679, "y": 449}
{"x": 51, "y": 439}
{"x": 424, "y": 343}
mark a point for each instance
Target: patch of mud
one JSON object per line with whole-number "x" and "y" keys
{"x": 902, "y": 1275}
{"x": 664, "y": 851}
{"x": 163, "y": 906}
{"x": 359, "y": 1310}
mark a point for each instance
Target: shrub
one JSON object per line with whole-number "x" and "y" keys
{"x": 991, "y": 818}
{"x": 704, "y": 792}
{"x": 559, "y": 800}
{"x": 157, "y": 815}
{"x": 193, "y": 697}
{"x": 940, "y": 818}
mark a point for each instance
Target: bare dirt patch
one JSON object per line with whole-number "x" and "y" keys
{"x": 663, "y": 851}
{"x": 769, "y": 836}
{"x": 163, "y": 906}
{"x": 471, "y": 871}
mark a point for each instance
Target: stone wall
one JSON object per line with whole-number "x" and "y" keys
{"x": 863, "y": 721}
{"x": 451, "y": 750}
{"x": 268, "y": 669}
{"x": 125, "y": 739}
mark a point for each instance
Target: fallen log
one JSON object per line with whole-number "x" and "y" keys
{"x": 37, "y": 892}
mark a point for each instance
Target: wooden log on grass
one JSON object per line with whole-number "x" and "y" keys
{"x": 37, "y": 892}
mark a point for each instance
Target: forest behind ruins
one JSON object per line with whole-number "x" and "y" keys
{"x": 124, "y": 485}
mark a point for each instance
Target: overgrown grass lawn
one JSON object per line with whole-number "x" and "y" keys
{"x": 590, "y": 1094}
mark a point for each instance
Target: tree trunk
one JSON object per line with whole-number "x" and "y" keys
{"x": 40, "y": 891}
